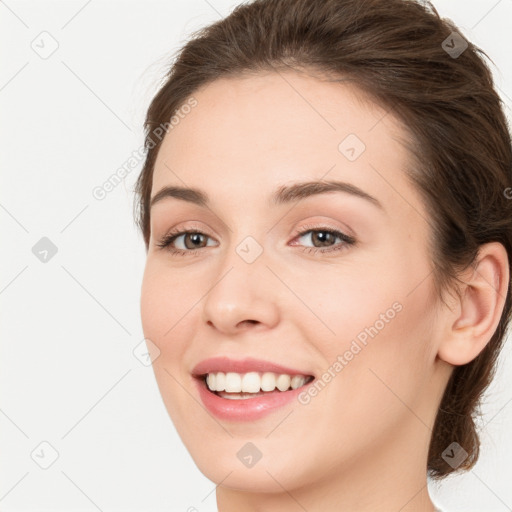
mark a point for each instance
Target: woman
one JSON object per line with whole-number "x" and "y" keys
{"x": 326, "y": 209}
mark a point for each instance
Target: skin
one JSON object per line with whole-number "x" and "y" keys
{"x": 361, "y": 444}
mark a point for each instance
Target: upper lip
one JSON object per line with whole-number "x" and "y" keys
{"x": 225, "y": 364}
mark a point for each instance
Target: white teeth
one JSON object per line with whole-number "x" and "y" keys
{"x": 283, "y": 382}
{"x": 268, "y": 381}
{"x": 210, "y": 380}
{"x": 298, "y": 381}
{"x": 233, "y": 382}
{"x": 220, "y": 382}
{"x": 253, "y": 382}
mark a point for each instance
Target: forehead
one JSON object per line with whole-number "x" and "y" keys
{"x": 253, "y": 132}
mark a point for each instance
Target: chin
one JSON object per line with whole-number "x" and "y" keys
{"x": 270, "y": 474}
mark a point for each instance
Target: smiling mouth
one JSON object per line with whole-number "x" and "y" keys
{"x": 234, "y": 386}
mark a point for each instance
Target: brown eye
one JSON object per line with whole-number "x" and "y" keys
{"x": 194, "y": 240}
{"x": 322, "y": 238}
{"x": 188, "y": 240}
{"x": 325, "y": 238}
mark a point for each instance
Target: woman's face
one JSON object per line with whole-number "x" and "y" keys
{"x": 356, "y": 313}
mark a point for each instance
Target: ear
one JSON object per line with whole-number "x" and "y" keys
{"x": 472, "y": 323}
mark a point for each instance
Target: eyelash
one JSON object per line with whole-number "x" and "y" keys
{"x": 166, "y": 240}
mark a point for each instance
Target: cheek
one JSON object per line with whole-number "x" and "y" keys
{"x": 166, "y": 305}
{"x": 341, "y": 300}
{"x": 386, "y": 356}
{"x": 168, "y": 317}
{"x": 380, "y": 318}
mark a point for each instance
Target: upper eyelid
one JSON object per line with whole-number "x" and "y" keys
{"x": 315, "y": 224}
{"x": 323, "y": 227}
{"x": 301, "y": 230}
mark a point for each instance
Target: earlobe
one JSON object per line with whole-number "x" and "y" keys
{"x": 471, "y": 325}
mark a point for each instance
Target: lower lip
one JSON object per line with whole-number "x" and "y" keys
{"x": 248, "y": 409}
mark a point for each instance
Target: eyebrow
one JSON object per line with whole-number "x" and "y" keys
{"x": 283, "y": 195}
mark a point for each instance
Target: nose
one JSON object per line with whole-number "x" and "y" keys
{"x": 242, "y": 296}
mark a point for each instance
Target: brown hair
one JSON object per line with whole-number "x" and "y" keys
{"x": 397, "y": 52}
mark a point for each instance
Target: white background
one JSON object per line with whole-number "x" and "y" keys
{"x": 69, "y": 326}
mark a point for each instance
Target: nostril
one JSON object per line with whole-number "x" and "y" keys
{"x": 249, "y": 322}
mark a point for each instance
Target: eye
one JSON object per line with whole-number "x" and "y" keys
{"x": 191, "y": 241}
{"x": 325, "y": 239}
